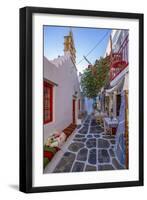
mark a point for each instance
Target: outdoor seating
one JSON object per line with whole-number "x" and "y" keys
{"x": 99, "y": 118}
{"x": 110, "y": 125}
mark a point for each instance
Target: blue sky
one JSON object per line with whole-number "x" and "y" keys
{"x": 84, "y": 38}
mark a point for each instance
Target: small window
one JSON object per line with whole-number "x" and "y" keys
{"x": 47, "y": 102}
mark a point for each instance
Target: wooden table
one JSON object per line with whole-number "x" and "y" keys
{"x": 109, "y": 124}
{"x": 99, "y": 117}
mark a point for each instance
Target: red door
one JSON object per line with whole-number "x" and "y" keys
{"x": 73, "y": 110}
{"x": 79, "y": 104}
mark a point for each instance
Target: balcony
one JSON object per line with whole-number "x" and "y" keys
{"x": 119, "y": 60}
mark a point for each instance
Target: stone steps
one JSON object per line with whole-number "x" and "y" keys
{"x": 69, "y": 130}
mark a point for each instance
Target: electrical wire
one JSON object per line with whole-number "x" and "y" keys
{"x": 94, "y": 47}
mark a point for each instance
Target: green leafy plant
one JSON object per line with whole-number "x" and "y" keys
{"x": 95, "y": 77}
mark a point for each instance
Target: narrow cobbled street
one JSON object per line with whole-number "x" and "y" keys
{"x": 90, "y": 149}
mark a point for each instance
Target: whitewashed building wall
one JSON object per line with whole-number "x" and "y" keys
{"x": 62, "y": 72}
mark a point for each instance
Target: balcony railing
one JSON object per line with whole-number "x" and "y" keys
{"x": 119, "y": 60}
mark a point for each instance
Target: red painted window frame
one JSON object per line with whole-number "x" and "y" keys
{"x": 50, "y": 88}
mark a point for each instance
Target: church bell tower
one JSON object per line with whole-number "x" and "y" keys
{"x": 69, "y": 46}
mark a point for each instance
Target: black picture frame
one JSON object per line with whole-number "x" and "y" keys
{"x": 26, "y": 98}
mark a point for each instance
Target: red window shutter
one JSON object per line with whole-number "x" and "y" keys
{"x": 47, "y": 102}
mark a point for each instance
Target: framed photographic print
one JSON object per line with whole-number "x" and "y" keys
{"x": 81, "y": 99}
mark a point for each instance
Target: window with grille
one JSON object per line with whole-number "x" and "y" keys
{"x": 47, "y": 102}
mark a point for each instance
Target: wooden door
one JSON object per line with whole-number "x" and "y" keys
{"x": 73, "y": 110}
{"x": 118, "y": 103}
{"x": 79, "y": 104}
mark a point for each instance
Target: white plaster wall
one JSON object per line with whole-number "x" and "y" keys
{"x": 63, "y": 73}
{"x": 114, "y": 104}
{"x": 118, "y": 36}
{"x": 108, "y": 49}
{"x": 115, "y": 35}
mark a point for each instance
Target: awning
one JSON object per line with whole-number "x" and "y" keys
{"x": 116, "y": 87}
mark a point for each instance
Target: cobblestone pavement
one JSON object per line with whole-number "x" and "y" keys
{"x": 90, "y": 150}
